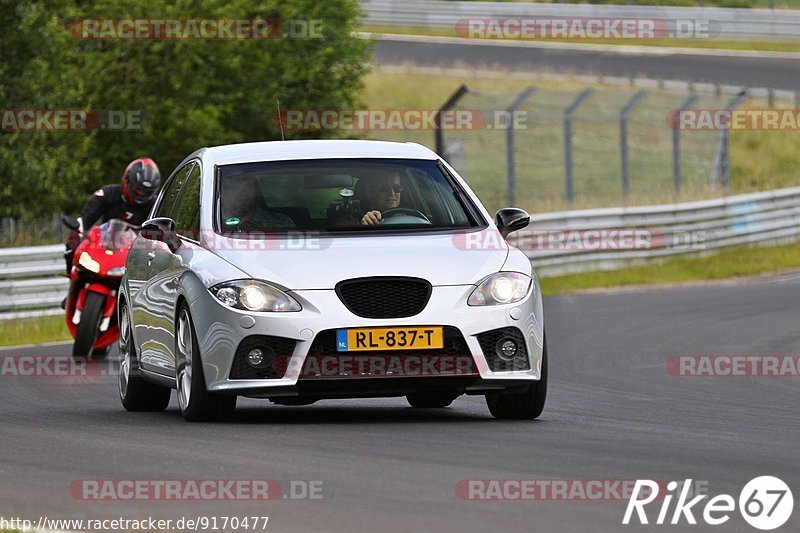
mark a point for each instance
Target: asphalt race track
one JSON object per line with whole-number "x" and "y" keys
{"x": 774, "y": 72}
{"x": 613, "y": 412}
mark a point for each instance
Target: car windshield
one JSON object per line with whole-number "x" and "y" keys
{"x": 340, "y": 195}
{"x": 116, "y": 234}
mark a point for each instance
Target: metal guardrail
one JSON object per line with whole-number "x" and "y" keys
{"x": 31, "y": 281}
{"x": 687, "y": 228}
{"x": 731, "y": 23}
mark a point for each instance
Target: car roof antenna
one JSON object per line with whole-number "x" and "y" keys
{"x": 280, "y": 119}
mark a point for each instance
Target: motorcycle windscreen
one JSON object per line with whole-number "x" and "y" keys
{"x": 116, "y": 234}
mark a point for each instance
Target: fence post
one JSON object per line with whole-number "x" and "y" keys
{"x": 568, "y": 114}
{"x": 58, "y": 227}
{"x": 623, "y": 139}
{"x": 722, "y": 159}
{"x": 9, "y": 229}
{"x": 676, "y": 143}
{"x": 510, "y": 145}
{"x": 454, "y": 98}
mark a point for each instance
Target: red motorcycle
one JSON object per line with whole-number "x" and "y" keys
{"x": 97, "y": 268}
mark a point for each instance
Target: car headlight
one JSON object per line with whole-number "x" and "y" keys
{"x": 501, "y": 288}
{"x": 117, "y": 271}
{"x": 86, "y": 261}
{"x": 249, "y": 295}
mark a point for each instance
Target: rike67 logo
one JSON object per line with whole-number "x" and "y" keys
{"x": 765, "y": 503}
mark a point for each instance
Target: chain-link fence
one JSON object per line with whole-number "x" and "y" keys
{"x": 15, "y": 232}
{"x": 590, "y": 147}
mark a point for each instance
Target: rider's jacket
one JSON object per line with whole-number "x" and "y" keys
{"x": 108, "y": 202}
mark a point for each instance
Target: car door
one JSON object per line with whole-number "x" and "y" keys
{"x": 151, "y": 307}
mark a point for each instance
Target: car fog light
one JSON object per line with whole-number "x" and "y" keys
{"x": 506, "y": 349}
{"x": 255, "y": 357}
{"x": 261, "y": 358}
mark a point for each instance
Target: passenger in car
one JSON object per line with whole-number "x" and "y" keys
{"x": 241, "y": 210}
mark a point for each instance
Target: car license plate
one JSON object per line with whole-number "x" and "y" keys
{"x": 382, "y": 339}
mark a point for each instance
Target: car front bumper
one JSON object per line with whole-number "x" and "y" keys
{"x": 221, "y": 329}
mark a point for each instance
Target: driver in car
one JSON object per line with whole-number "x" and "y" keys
{"x": 378, "y": 193}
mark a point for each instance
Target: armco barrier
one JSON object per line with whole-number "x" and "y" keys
{"x": 732, "y": 23}
{"x": 31, "y": 281}
{"x": 697, "y": 227}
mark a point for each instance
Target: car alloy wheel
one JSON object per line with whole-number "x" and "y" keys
{"x": 124, "y": 352}
{"x": 184, "y": 360}
{"x": 135, "y": 393}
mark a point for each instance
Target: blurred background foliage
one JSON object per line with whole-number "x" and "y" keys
{"x": 190, "y": 93}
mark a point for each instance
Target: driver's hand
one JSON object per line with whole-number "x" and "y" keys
{"x": 371, "y": 218}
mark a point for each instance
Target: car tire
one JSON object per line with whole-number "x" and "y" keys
{"x": 526, "y": 405}
{"x": 429, "y": 400}
{"x": 196, "y": 403}
{"x": 135, "y": 393}
{"x": 89, "y": 325}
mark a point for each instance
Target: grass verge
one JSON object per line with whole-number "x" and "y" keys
{"x": 33, "y": 330}
{"x": 731, "y": 263}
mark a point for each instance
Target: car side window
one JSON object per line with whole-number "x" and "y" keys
{"x": 170, "y": 195}
{"x": 187, "y": 209}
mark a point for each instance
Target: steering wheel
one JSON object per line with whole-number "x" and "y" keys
{"x": 395, "y": 211}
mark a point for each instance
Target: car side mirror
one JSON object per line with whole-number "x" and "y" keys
{"x": 511, "y": 219}
{"x": 69, "y": 221}
{"x": 161, "y": 229}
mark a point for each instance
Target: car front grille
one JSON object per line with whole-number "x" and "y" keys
{"x": 384, "y": 297}
{"x": 277, "y": 352}
{"x": 489, "y": 341}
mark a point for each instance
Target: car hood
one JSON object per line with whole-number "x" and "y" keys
{"x": 320, "y": 263}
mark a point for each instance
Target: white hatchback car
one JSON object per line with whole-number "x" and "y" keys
{"x": 304, "y": 270}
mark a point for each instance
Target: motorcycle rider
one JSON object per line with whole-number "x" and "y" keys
{"x": 130, "y": 200}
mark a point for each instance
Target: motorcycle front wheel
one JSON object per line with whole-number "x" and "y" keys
{"x": 89, "y": 326}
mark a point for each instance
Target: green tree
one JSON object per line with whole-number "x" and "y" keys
{"x": 40, "y": 170}
{"x": 190, "y": 93}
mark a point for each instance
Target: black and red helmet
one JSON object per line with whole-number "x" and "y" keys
{"x": 141, "y": 180}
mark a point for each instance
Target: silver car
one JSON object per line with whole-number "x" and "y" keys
{"x": 296, "y": 271}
